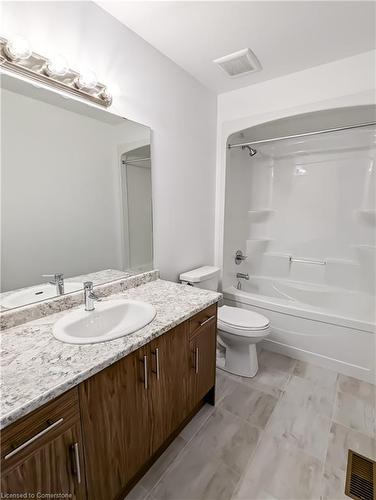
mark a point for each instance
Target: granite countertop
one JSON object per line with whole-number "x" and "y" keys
{"x": 36, "y": 368}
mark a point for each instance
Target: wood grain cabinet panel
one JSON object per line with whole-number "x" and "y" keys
{"x": 203, "y": 353}
{"x": 170, "y": 399}
{"x": 116, "y": 425}
{"x": 42, "y": 453}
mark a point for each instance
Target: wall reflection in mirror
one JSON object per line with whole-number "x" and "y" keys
{"x": 76, "y": 201}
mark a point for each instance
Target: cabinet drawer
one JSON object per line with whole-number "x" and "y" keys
{"x": 26, "y": 435}
{"x": 202, "y": 318}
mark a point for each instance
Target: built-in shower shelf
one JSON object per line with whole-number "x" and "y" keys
{"x": 261, "y": 214}
{"x": 369, "y": 215}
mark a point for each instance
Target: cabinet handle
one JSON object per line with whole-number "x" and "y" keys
{"x": 34, "y": 438}
{"x": 77, "y": 465}
{"x": 145, "y": 372}
{"x": 156, "y": 354}
{"x": 207, "y": 320}
{"x": 196, "y": 360}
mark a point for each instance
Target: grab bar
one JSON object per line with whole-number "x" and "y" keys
{"x": 308, "y": 261}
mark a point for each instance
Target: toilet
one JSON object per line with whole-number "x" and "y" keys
{"x": 239, "y": 330}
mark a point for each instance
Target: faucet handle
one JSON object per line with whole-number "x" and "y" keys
{"x": 239, "y": 257}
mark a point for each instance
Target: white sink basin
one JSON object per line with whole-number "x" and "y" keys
{"x": 36, "y": 293}
{"x": 110, "y": 320}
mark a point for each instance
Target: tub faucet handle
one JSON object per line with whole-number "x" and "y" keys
{"x": 239, "y": 257}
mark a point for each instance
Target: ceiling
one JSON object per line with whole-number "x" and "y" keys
{"x": 285, "y": 36}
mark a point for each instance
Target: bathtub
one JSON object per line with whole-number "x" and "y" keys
{"x": 328, "y": 326}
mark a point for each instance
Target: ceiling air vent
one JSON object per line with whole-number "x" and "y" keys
{"x": 239, "y": 63}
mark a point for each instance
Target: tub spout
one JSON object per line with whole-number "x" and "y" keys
{"x": 243, "y": 276}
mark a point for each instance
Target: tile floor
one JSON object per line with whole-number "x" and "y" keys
{"x": 282, "y": 435}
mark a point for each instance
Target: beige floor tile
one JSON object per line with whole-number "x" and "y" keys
{"x": 228, "y": 438}
{"x": 269, "y": 359}
{"x": 225, "y": 384}
{"x": 309, "y": 395}
{"x": 301, "y": 427}
{"x": 197, "y": 421}
{"x": 153, "y": 475}
{"x": 269, "y": 377}
{"x": 274, "y": 378}
{"x": 355, "y": 413}
{"x": 333, "y": 484}
{"x": 250, "y": 404}
{"x": 357, "y": 388}
{"x": 138, "y": 492}
{"x": 196, "y": 476}
{"x": 316, "y": 374}
{"x": 341, "y": 439}
{"x": 279, "y": 470}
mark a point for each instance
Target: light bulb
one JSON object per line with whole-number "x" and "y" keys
{"x": 86, "y": 80}
{"x": 106, "y": 95}
{"x": 56, "y": 66}
{"x": 18, "y": 48}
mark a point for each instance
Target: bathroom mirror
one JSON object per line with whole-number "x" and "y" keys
{"x": 76, "y": 195}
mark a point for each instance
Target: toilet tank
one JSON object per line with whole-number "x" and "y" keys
{"x": 203, "y": 277}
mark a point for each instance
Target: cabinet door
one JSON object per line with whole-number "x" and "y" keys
{"x": 116, "y": 425}
{"x": 42, "y": 453}
{"x": 170, "y": 400}
{"x": 54, "y": 468}
{"x": 203, "y": 353}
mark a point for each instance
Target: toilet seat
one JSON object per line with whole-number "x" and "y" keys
{"x": 241, "y": 321}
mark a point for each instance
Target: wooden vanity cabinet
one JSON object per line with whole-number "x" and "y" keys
{"x": 42, "y": 452}
{"x": 116, "y": 424}
{"x": 203, "y": 341}
{"x": 170, "y": 384}
{"x": 128, "y": 414}
{"x": 133, "y": 409}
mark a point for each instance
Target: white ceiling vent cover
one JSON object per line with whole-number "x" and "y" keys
{"x": 239, "y": 63}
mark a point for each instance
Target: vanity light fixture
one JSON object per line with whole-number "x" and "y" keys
{"x": 56, "y": 66}
{"x": 86, "y": 80}
{"x": 106, "y": 94}
{"x": 17, "y": 49}
{"x": 17, "y": 57}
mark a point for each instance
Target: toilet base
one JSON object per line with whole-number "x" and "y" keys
{"x": 241, "y": 361}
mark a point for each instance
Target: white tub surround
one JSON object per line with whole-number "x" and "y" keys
{"x": 302, "y": 210}
{"x": 37, "y": 368}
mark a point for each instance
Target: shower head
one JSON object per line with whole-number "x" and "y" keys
{"x": 251, "y": 151}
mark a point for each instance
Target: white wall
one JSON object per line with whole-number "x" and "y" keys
{"x": 150, "y": 89}
{"x": 347, "y": 82}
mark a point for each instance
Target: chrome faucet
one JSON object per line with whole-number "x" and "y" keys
{"x": 242, "y": 276}
{"x": 58, "y": 281}
{"x": 89, "y": 296}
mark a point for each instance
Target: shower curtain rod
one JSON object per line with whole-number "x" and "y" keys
{"x": 325, "y": 131}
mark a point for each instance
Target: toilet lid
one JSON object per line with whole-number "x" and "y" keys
{"x": 241, "y": 318}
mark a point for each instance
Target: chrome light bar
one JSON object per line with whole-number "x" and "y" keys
{"x": 16, "y": 57}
